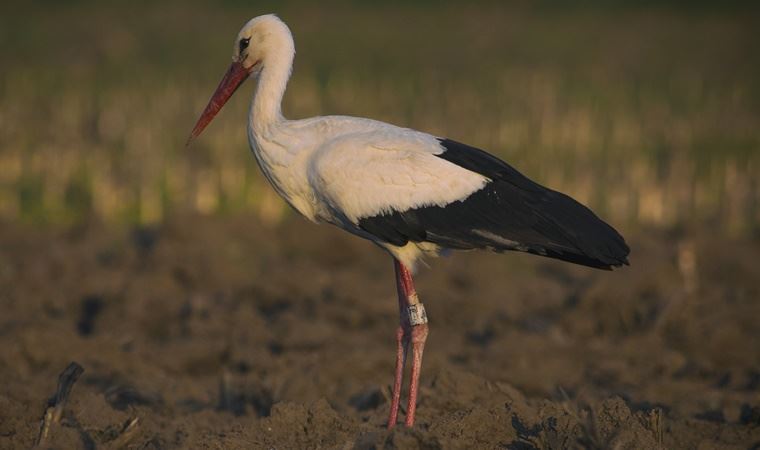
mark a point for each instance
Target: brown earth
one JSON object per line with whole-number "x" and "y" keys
{"x": 224, "y": 333}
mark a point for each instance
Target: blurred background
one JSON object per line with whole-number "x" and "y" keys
{"x": 207, "y": 314}
{"x": 649, "y": 114}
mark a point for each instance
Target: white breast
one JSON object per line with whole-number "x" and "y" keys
{"x": 343, "y": 168}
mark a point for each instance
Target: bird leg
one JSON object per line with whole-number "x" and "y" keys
{"x": 412, "y": 329}
{"x": 402, "y": 344}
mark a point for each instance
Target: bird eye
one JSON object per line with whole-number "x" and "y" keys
{"x": 244, "y": 44}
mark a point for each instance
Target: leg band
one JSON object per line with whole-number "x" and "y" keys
{"x": 416, "y": 314}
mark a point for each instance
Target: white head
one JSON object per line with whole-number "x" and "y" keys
{"x": 263, "y": 46}
{"x": 264, "y": 40}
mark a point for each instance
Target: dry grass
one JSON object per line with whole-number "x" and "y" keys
{"x": 650, "y": 116}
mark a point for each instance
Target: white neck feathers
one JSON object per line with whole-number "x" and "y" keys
{"x": 278, "y": 52}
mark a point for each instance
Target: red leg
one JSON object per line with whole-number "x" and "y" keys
{"x": 402, "y": 342}
{"x": 413, "y": 327}
{"x": 419, "y": 335}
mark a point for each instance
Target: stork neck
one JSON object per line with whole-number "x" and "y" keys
{"x": 266, "y": 109}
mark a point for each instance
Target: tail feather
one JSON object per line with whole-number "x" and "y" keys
{"x": 499, "y": 218}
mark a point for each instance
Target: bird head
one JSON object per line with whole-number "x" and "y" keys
{"x": 262, "y": 40}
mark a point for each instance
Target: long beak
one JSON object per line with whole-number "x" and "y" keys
{"x": 234, "y": 77}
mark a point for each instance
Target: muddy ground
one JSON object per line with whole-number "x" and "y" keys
{"x": 224, "y": 333}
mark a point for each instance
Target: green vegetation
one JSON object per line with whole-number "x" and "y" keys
{"x": 650, "y": 115}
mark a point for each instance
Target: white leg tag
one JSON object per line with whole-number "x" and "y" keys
{"x": 417, "y": 315}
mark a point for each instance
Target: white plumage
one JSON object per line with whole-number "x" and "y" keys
{"x": 339, "y": 169}
{"x": 342, "y": 169}
{"x": 364, "y": 174}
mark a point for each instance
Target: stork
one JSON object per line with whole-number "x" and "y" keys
{"x": 411, "y": 193}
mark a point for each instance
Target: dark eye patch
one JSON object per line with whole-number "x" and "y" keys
{"x": 244, "y": 44}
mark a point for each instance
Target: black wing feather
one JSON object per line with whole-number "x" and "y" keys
{"x": 510, "y": 213}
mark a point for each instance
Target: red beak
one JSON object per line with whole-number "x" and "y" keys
{"x": 234, "y": 77}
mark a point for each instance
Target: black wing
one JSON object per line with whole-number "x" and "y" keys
{"x": 511, "y": 212}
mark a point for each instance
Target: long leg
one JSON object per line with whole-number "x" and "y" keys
{"x": 402, "y": 344}
{"x": 412, "y": 328}
{"x": 419, "y": 336}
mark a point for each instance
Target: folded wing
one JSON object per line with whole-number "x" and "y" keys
{"x": 460, "y": 197}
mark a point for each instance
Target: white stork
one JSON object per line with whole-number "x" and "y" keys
{"x": 411, "y": 193}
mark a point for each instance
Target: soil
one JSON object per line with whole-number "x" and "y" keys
{"x": 225, "y": 333}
